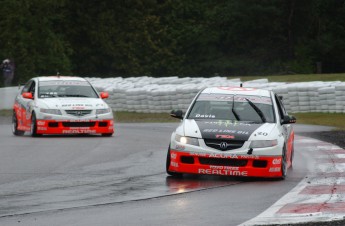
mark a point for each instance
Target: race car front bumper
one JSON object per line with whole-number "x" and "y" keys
{"x": 102, "y": 126}
{"x": 225, "y": 164}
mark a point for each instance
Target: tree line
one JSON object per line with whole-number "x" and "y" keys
{"x": 172, "y": 37}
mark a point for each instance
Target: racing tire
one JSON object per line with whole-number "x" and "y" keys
{"x": 284, "y": 164}
{"x": 33, "y": 127}
{"x": 107, "y": 134}
{"x": 15, "y": 126}
{"x": 174, "y": 174}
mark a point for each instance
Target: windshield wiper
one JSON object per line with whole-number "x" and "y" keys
{"x": 263, "y": 118}
{"x": 233, "y": 109}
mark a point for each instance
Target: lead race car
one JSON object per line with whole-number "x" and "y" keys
{"x": 61, "y": 105}
{"x": 232, "y": 131}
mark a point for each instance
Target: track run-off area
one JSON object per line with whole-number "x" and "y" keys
{"x": 121, "y": 180}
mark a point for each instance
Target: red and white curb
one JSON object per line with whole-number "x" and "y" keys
{"x": 318, "y": 197}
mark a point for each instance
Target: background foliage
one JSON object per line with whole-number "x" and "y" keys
{"x": 172, "y": 37}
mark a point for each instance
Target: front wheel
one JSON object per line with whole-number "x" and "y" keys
{"x": 15, "y": 126}
{"x": 33, "y": 128}
{"x": 284, "y": 164}
{"x": 174, "y": 174}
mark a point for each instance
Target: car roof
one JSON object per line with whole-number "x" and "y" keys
{"x": 64, "y": 78}
{"x": 237, "y": 91}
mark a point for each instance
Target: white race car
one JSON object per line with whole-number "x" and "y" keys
{"x": 232, "y": 131}
{"x": 61, "y": 105}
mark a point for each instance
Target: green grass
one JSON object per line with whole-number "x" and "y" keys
{"x": 296, "y": 78}
{"x": 325, "y": 119}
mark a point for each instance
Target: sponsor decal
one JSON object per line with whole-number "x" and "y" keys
{"x": 276, "y": 161}
{"x": 221, "y": 136}
{"x": 180, "y": 147}
{"x": 41, "y": 128}
{"x": 223, "y": 172}
{"x": 173, "y": 155}
{"x": 226, "y": 129}
{"x": 78, "y": 108}
{"x": 73, "y": 106}
{"x": 227, "y": 123}
{"x": 274, "y": 169}
{"x": 41, "y": 123}
{"x": 262, "y": 134}
{"x": 78, "y": 131}
{"x": 174, "y": 164}
{"x": 224, "y": 167}
{"x": 204, "y": 116}
{"x": 225, "y": 156}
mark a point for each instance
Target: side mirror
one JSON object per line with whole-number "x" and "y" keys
{"x": 27, "y": 95}
{"x": 288, "y": 119}
{"x": 176, "y": 114}
{"x": 104, "y": 95}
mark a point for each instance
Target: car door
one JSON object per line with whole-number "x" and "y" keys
{"x": 28, "y": 104}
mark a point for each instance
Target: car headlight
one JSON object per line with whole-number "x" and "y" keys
{"x": 187, "y": 140}
{"x": 51, "y": 111}
{"x": 103, "y": 111}
{"x": 263, "y": 143}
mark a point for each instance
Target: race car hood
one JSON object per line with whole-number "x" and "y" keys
{"x": 224, "y": 129}
{"x": 72, "y": 103}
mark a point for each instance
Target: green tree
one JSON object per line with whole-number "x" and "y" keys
{"x": 31, "y": 35}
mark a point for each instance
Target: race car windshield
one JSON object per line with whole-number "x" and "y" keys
{"x": 230, "y": 107}
{"x": 53, "y": 89}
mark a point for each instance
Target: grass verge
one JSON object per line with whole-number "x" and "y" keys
{"x": 325, "y": 119}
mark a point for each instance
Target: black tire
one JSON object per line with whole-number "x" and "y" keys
{"x": 174, "y": 174}
{"x": 107, "y": 134}
{"x": 292, "y": 153}
{"x": 15, "y": 126}
{"x": 33, "y": 127}
{"x": 284, "y": 164}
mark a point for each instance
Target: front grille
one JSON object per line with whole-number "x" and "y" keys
{"x": 78, "y": 124}
{"x": 224, "y": 145}
{"x": 78, "y": 112}
{"x": 223, "y": 162}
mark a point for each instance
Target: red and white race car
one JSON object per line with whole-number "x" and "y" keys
{"x": 232, "y": 131}
{"x": 61, "y": 105}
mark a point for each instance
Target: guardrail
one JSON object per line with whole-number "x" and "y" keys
{"x": 156, "y": 95}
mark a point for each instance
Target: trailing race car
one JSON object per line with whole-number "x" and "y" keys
{"x": 232, "y": 131}
{"x": 61, "y": 105}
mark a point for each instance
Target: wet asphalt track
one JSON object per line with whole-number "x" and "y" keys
{"x": 121, "y": 180}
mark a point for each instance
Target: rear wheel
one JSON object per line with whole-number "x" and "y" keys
{"x": 174, "y": 174}
{"x": 15, "y": 126}
{"x": 33, "y": 128}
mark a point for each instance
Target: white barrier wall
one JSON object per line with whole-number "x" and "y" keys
{"x": 147, "y": 94}
{"x": 7, "y": 96}
{"x": 155, "y": 95}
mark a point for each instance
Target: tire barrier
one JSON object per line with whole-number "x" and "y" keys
{"x": 158, "y": 95}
